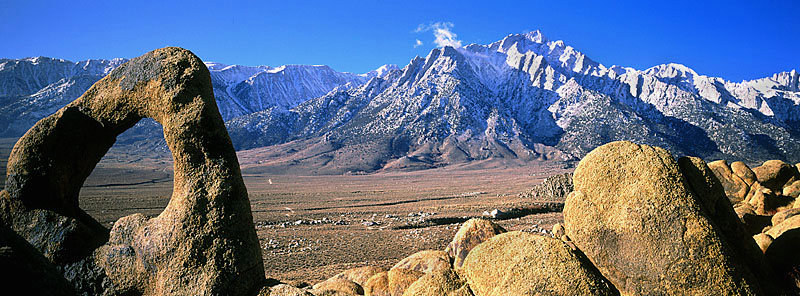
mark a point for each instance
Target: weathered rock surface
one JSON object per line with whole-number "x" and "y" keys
{"x": 438, "y": 283}
{"x": 333, "y": 293}
{"x": 472, "y": 233}
{"x": 425, "y": 261}
{"x": 26, "y": 271}
{"x": 787, "y": 224}
{"x": 359, "y": 275}
{"x": 203, "y": 242}
{"x": 705, "y": 186}
{"x": 773, "y": 174}
{"x": 633, "y": 214}
{"x": 744, "y": 172}
{"x": 792, "y": 190}
{"x": 519, "y": 263}
{"x": 391, "y": 283}
{"x": 753, "y": 222}
{"x": 558, "y": 230}
{"x": 463, "y": 291}
{"x": 766, "y": 202}
{"x": 735, "y": 188}
{"x": 554, "y": 188}
{"x": 783, "y": 215}
{"x": 284, "y": 290}
{"x": 763, "y": 241}
{"x": 342, "y": 285}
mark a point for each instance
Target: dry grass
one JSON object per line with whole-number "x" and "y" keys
{"x": 123, "y": 184}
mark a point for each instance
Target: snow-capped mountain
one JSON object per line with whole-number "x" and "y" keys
{"x": 241, "y": 90}
{"x": 523, "y": 98}
{"x": 33, "y": 88}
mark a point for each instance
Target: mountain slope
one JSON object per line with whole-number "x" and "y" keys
{"x": 33, "y": 88}
{"x": 526, "y": 98}
{"x": 523, "y": 98}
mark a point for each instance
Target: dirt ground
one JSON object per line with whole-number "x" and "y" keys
{"x": 312, "y": 227}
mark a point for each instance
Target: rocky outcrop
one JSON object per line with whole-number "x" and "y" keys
{"x": 25, "y": 268}
{"x": 359, "y": 275}
{"x": 518, "y": 263}
{"x": 391, "y": 283}
{"x": 203, "y": 242}
{"x": 635, "y": 216}
{"x": 438, "y": 283}
{"x": 472, "y": 233}
{"x": 792, "y": 190}
{"x": 769, "y": 212}
{"x": 284, "y": 290}
{"x": 735, "y": 188}
{"x": 707, "y": 188}
{"x": 338, "y": 285}
{"x": 774, "y": 174}
{"x": 554, "y": 188}
{"x": 744, "y": 172}
{"x": 425, "y": 261}
{"x": 638, "y": 223}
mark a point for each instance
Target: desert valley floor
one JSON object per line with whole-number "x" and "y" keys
{"x": 312, "y": 227}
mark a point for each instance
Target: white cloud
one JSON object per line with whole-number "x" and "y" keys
{"x": 418, "y": 43}
{"x": 442, "y": 33}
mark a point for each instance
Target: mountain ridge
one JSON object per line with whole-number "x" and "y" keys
{"x": 512, "y": 103}
{"x": 520, "y": 99}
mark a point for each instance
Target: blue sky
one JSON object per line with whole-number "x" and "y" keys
{"x": 732, "y": 39}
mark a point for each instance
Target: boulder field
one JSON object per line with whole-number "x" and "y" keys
{"x": 638, "y": 222}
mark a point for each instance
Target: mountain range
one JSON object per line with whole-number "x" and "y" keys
{"x": 521, "y": 99}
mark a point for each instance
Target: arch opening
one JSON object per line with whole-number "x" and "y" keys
{"x": 203, "y": 242}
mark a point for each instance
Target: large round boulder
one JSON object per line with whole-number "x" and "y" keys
{"x": 284, "y": 290}
{"x": 519, "y": 263}
{"x": 634, "y": 216}
{"x": 438, "y": 283}
{"x": 391, "y": 283}
{"x": 359, "y": 275}
{"x": 341, "y": 285}
{"x": 472, "y": 233}
{"x": 425, "y": 261}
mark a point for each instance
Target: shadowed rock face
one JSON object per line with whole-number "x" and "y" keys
{"x": 203, "y": 242}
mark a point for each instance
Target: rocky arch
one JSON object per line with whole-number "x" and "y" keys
{"x": 203, "y": 243}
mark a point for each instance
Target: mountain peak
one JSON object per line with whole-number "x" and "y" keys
{"x": 536, "y": 36}
{"x": 382, "y": 70}
{"x": 672, "y": 70}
